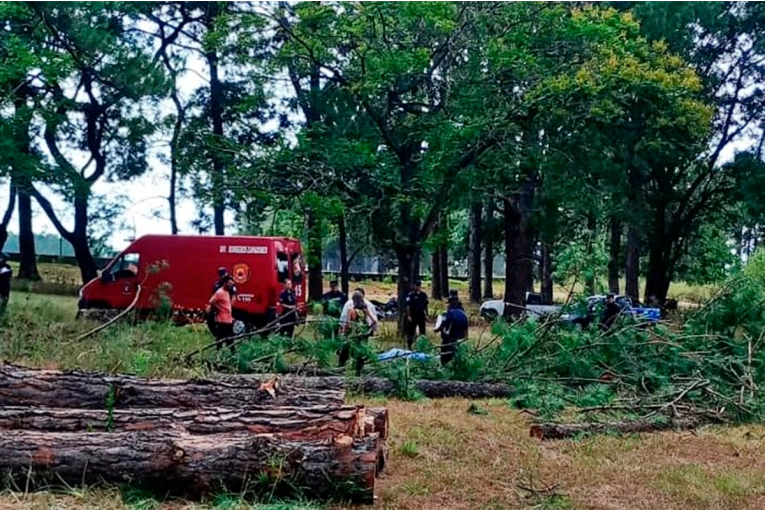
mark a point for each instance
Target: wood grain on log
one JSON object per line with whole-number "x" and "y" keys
{"x": 382, "y": 386}
{"x": 570, "y": 430}
{"x": 28, "y": 387}
{"x": 343, "y": 468}
{"x": 319, "y": 422}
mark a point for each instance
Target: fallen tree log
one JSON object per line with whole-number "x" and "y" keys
{"x": 382, "y": 386}
{"x": 21, "y": 386}
{"x": 191, "y": 466}
{"x": 570, "y": 430}
{"x": 304, "y": 423}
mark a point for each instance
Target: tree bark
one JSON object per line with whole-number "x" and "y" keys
{"x": 294, "y": 423}
{"x": 571, "y": 430}
{"x": 170, "y": 461}
{"x": 216, "y": 115}
{"x": 614, "y": 253}
{"x": 546, "y": 273}
{"x": 80, "y": 242}
{"x": 518, "y": 260}
{"x": 6, "y": 220}
{"x": 436, "y": 292}
{"x": 429, "y": 389}
{"x": 314, "y": 255}
{"x": 632, "y": 266}
{"x": 474, "y": 252}
{"x": 20, "y": 386}
{"x": 344, "y": 262}
{"x": 443, "y": 253}
{"x": 589, "y": 281}
{"x": 27, "y": 253}
{"x": 488, "y": 257}
{"x": 659, "y": 267}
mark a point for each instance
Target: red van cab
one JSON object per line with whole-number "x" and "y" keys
{"x": 180, "y": 272}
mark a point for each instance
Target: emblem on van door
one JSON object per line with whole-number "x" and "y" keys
{"x": 241, "y": 273}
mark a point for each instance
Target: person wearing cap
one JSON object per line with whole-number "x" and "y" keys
{"x": 334, "y": 299}
{"x": 453, "y": 328}
{"x": 416, "y": 307}
{"x": 371, "y": 311}
{"x": 610, "y": 313}
{"x": 220, "y": 306}
{"x": 5, "y": 282}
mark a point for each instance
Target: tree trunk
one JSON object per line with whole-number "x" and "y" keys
{"x": 546, "y": 273}
{"x": 571, "y": 430}
{"x": 383, "y": 386}
{"x": 6, "y": 220}
{"x": 488, "y": 257}
{"x": 436, "y": 292}
{"x": 474, "y": 252}
{"x": 518, "y": 263}
{"x": 429, "y": 389}
{"x": 614, "y": 253}
{"x": 294, "y": 423}
{"x": 20, "y": 386}
{"x": 444, "y": 265}
{"x": 632, "y": 266}
{"x": 657, "y": 279}
{"x": 27, "y": 255}
{"x": 216, "y": 115}
{"x": 174, "y": 148}
{"x": 170, "y": 461}
{"x": 589, "y": 281}
{"x": 315, "y": 275}
{"x": 344, "y": 262}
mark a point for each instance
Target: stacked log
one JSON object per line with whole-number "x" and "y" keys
{"x": 189, "y": 437}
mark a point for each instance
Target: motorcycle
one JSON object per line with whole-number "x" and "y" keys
{"x": 386, "y": 310}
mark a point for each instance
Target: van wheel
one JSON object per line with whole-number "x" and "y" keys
{"x": 240, "y": 327}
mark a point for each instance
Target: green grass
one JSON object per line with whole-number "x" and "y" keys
{"x": 41, "y": 331}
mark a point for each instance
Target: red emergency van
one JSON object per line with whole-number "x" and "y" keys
{"x": 180, "y": 272}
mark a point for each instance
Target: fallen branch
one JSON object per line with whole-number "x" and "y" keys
{"x": 546, "y": 431}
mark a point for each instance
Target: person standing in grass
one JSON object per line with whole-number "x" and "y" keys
{"x": 453, "y": 329}
{"x": 416, "y": 313}
{"x": 220, "y": 304}
{"x": 357, "y": 329}
{"x": 5, "y": 283}
{"x": 288, "y": 302}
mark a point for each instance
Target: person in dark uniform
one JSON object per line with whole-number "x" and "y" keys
{"x": 333, "y": 300}
{"x": 5, "y": 283}
{"x": 610, "y": 313}
{"x": 453, "y": 329}
{"x": 289, "y": 310}
{"x": 416, "y": 312}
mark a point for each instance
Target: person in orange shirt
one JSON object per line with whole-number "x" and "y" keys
{"x": 220, "y": 302}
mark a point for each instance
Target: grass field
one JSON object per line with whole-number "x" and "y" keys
{"x": 442, "y": 456}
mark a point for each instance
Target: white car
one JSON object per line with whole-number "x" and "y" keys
{"x": 492, "y": 309}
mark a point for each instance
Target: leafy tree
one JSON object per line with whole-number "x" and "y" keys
{"x": 91, "y": 104}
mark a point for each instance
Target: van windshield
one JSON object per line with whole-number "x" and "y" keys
{"x": 126, "y": 266}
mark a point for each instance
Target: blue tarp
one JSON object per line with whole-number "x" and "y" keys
{"x": 402, "y": 353}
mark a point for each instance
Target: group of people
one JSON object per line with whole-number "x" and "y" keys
{"x": 453, "y": 325}
{"x": 358, "y": 320}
